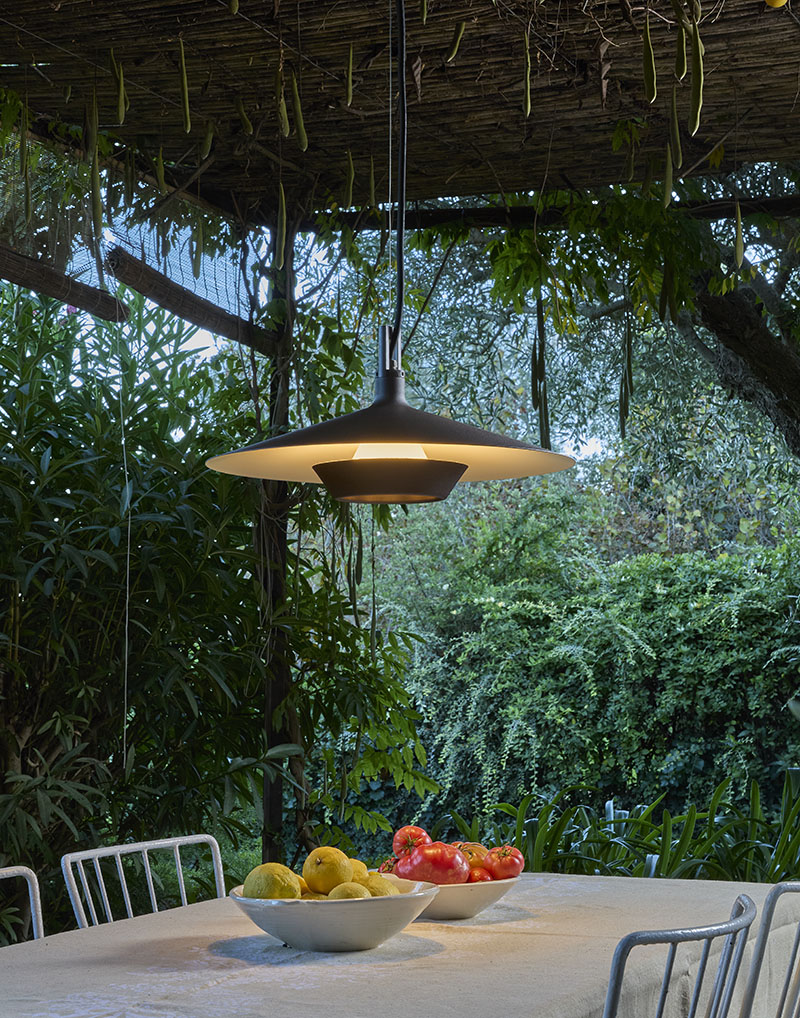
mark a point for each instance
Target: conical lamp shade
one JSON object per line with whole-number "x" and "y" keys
{"x": 390, "y": 436}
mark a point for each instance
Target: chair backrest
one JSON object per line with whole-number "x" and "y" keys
{"x": 7, "y": 872}
{"x": 734, "y": 931}
{"x": 73, "y": 863}
{"x": 790, "y": 992}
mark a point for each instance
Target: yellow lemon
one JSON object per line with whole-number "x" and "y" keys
{"x": 379, "y": 887}
{"x": 325, "y": 868}
{"x": 304, "y": 888}
{"x": 271, "y": 880}
{"x": 349, "y": 889}
{"x": 359, "y": 869}
{"x": 313, "y": 896}
{"x": 775, "y": 3}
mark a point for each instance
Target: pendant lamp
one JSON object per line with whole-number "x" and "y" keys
{"x": 391, "y": 452}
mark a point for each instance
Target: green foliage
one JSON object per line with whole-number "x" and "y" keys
{"x": 723, "y": 841}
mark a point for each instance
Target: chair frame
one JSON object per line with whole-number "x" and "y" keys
{"x": 734, "y": 930}
{"x": 74, "y": 861}
{"x": 790, "y": 993}
{"x": 34, "y": 894}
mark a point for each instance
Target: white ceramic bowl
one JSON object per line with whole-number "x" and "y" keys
{"x": 461, "y": 901}
{"x": 346, "y": 924}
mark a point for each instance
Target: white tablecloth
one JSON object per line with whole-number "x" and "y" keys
{"x": 543, "y": 951}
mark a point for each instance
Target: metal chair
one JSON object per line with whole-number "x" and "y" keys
{"x": 734, "y": 931}
{"x": 7, "y": 872}
{"x": 789, "y": 1004}
{"x": 74, "y": 861}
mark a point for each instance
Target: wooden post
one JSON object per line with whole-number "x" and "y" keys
{"x": 271, "y": 536}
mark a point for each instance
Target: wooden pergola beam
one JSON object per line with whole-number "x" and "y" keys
{"x": 523, "y": 217}
{"x": 35, "y": 275}
{"x": 162, "y": 291}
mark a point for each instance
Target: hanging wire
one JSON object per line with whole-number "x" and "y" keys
{"x": 126, "y": 625}
{"x": 389, "y": 162}
{"x": 401, "y": 178}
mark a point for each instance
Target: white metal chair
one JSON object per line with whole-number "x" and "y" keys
{"x": 74, "y": 862}
{"x": 789, "y": 1004}
{"x": 734, "y": 931}
{"x": 7, "y": 872}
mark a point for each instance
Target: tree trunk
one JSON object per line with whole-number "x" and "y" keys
{"x": 271, "y": 533}
{"x": 752, "y": 361}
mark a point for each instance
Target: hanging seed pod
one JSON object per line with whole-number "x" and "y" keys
{"x": 647, "y": 179}
{"x": 668, "y": 177}
{"x": 739, "y": 244}
{"x": 247, "y": 127}
{"x": 348, "y": 92}
{"x": 233, "y": 6}
{"x": 360, "y": 556}
{"x": 675, "y": 131}
{"x": 208, "y": 140}
{"x": 630, "y": 164}
{"x": 23, "y": 140}
{"x": 666, "y": 286}
{"x": 680, "y": 54}
{"x": 297, "y": 111}
{"x": 160, "y": 178}
{"x": 280, "y": 103}
{"x": 526, "y": 87}
{"x": 697, "y": 81}
{"x": 372, "y": 203}
{"x": 649, "y": 64}
{"x": 351, "y": 176}
{"x": 280, "y": 232}
{"x": 629, "y": 356}
{"x": 97, "y": 200}
{"x": 67, "y": 93}
{"x": 187, "y": 116}
{"x": 122, "y": 104}
{"x": 197, "y": 254}
{"x": 90, "y": 132}
{"x": 28, "y": 202}
{"x": 458, "y": 32}
{"x": 424, "y": 11}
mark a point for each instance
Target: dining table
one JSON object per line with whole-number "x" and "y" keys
{"x": 542, "y": 951}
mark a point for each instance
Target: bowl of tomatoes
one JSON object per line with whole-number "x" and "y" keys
{"x": 470, "y": 876}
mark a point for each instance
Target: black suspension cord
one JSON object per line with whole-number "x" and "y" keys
{"x": 395, "y": 352}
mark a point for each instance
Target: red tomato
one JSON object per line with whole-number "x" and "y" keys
{"x": 436, "y": 862}
{"x": 478, "y": 873}
{"x": 504, "y": 862}
{"x": 407, "y": 838}
{"x": 388, "y": 865}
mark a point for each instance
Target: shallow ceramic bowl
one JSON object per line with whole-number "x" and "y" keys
{"x": 346, "y": 924}
{"x": 461, "y": 901}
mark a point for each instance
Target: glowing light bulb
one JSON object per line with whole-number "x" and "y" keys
{"x": 389, "y": 451}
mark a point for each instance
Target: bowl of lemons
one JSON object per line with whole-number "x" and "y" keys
{"x": 336, "y": 904}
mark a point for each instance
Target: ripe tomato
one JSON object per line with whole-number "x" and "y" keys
{"x": 474, "y": 852}
{"x": 388, "y": 865}
{"x": 436, "y": 862}
{"x": 478, "y": 873}
{"x": 504, "y": 862}
{"x": 407, "y": 838}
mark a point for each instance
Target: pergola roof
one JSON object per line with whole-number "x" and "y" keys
{"x": 467, "y": 131}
